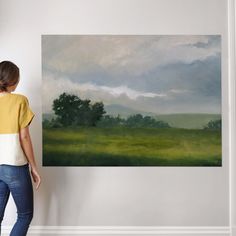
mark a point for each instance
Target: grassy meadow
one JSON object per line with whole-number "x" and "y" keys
{"x": 122, "y": 146}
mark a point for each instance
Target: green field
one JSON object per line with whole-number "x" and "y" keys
{"x": 120, "y": 146}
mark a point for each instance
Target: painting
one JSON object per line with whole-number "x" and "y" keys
{"x": 131, "y": 100}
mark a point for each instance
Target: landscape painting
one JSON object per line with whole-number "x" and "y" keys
{"x": 131, "y": 100}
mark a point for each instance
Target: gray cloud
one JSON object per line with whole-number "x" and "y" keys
{"x": 161, "y": 74}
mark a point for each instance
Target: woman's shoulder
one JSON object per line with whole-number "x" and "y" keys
{"x": 19, "y": 97}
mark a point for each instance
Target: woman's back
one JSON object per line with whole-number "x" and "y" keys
{"x": 15, "y": 114}
{"x": 16, "y": 150}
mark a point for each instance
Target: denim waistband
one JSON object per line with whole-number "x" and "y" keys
{"x": 22, "y": 166}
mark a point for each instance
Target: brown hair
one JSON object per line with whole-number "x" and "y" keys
{"x": 9, "y": 74}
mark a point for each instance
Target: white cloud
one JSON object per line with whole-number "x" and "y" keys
{"x": 130, "y": 93}
{"x": 179, "y": 91}
{"x": 53, "y": 87}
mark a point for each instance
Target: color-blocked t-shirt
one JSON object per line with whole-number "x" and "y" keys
{"x": 15, "y": 114}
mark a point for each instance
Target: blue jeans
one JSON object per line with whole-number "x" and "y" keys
{"x": 17, "y": 181}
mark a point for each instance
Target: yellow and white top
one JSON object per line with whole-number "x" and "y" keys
{"x": 15, "y": 114}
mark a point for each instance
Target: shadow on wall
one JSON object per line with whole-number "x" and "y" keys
{"x": 62, "y": 195}
{"x": 63, "y": 191}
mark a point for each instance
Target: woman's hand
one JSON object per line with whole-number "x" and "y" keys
{"x": 36, "y": 177}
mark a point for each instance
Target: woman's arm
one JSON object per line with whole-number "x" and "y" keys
{"x": 27, "y": 147}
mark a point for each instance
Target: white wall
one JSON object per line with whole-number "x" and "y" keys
{"x": 116, "y": 196}
{"x": 232, "y": 70}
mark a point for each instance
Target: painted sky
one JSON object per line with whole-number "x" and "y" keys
{"x": 160, "y": 74}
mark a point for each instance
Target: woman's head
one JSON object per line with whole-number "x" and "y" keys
{"x": 9, "y": 76}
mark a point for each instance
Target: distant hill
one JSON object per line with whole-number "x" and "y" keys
{"x": 181, "y": 120}
{"x": 124, "y": 111}
{"x": 112, "y": 110}
{"x": 188, "y": 120}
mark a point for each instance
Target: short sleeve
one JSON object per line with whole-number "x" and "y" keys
{"x": 26, "y": 115}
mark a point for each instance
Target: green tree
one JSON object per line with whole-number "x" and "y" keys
{"x": 138, "y": 120}
{"x": 97, "y": 111}
{"x": 134, "y": 120}
{"x": 213, "y": 125}
{"x": 83, "y": 113}
{"x": 66, "y": 108}
{"x": 73, "y": 111}
{"x": 110, "y": 121}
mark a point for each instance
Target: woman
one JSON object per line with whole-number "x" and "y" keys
{"x": 16, "y": 151}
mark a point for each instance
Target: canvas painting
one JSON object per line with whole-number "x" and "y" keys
{"x": 131, "y": 100}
